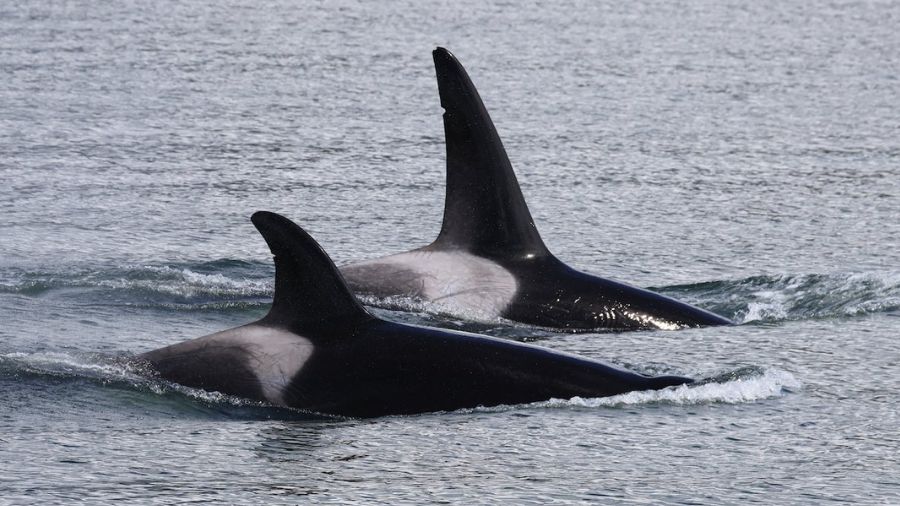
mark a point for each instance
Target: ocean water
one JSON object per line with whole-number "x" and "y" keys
{"x": 740, "y": 156}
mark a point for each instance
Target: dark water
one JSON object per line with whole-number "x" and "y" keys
{"x": 744, "y": 157}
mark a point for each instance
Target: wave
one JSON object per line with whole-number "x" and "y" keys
{"x": 795, "y": 296}
{"x": 103, "y": 368}
{"x": 221, "y": 284}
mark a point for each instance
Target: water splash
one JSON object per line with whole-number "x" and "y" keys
{"x": 745, "y": 385}
{"x": 796, "y": 297}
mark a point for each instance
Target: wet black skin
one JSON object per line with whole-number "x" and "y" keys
{"x": 552, "y": 294}
{"x": 362, "y": 366}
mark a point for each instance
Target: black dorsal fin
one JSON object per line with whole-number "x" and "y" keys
{"x": 309, "y": 289}
{"x": 484, "y": 211}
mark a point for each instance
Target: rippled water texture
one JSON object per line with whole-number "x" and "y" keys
{"x": 740, "y": 156}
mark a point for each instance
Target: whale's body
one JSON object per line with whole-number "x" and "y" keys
{"x": 489, "y": 260}
{"x": 319, "y": 350}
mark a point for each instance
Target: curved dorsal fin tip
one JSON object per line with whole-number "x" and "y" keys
{"x": 443, "y": 56}
{"x": 309, "y": 289}
{"x": 270, "y": 225}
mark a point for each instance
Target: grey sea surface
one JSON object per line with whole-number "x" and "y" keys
{"x": 740, "y": 156}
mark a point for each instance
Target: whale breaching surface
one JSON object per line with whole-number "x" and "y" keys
{"x": 319, "y": 350}
{"x": 489, "y": 259}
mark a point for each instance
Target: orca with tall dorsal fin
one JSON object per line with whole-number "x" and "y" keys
{"x": 319, "y": 350}
{"x": 489, "y": 260}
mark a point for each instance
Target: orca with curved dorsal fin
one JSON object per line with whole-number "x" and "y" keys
{"x": 319, "y": 350}
{"x": 489, "y": 260}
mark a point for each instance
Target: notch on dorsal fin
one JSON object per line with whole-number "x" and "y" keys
{"x": 484, "y": 211}
{"x": 309, "y": 289}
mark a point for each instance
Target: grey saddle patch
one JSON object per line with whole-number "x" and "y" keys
{"x": 455, "y": 281}
{"x": 274, "y": 355}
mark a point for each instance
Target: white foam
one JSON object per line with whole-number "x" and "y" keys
{"x": 772, "y": 383}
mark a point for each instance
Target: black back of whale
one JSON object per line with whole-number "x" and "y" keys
{"x": 485, "y": 215}
{"x": 388, "y": 368}
{"x": 361, "y": 366}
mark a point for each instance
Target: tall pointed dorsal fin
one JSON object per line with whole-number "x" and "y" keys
{"x": 309, "y": 289}
{"x": 484, "y": 211}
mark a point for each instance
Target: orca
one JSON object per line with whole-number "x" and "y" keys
{"x": 488, "y": 261}
{"x": 319, "y": 350}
